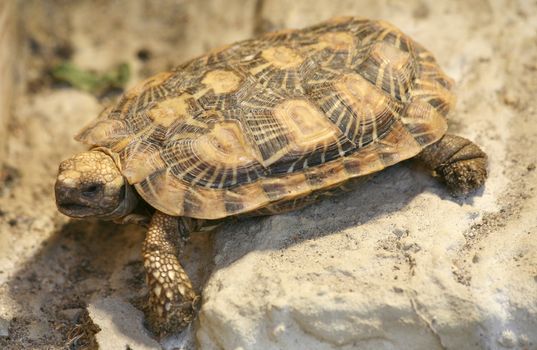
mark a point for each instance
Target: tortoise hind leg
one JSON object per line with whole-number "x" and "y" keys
{"x": 171, "y": 296}
{"x": 460, "y": 163}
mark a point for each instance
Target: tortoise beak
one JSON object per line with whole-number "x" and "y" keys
{"x": 77, "y": 201}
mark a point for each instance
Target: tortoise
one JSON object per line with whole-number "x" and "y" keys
{"x": 260, "y": 127}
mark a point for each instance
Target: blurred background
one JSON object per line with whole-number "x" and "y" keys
{"x": 69, "y": 284}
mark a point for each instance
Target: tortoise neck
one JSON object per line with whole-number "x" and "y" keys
{"x": 127, "y": 206}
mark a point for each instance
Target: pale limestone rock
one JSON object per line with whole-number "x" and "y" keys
{"x": 399, "y": 264}
{"x": 121, "y": 325}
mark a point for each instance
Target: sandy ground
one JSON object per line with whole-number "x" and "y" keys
{"x": 51, "y": 267}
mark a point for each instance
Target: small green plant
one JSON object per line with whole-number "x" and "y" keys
{"x": 91, "y": 81}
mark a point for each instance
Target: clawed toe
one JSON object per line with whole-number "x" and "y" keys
{"x": 460, "y": 163}
{"x": 465, "y": 176}
{"x": 171, "y": 318}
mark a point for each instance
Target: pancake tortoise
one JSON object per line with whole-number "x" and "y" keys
{"x": 260, "y": 127}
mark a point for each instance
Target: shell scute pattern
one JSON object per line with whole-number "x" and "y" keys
{"x": 272, "y": 120}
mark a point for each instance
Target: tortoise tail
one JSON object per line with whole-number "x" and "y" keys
{"x": 460, "y": 163}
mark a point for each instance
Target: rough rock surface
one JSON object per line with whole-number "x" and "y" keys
{"x": 397, "y": 264}
{"x": 121, "y": 325}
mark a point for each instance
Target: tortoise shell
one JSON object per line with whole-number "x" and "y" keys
{"x": 274, "y": 119}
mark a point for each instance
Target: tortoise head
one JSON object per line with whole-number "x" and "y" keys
{"x": 90, "y": 184}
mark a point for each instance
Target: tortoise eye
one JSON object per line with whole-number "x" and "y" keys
{"x": 91, "y": 190}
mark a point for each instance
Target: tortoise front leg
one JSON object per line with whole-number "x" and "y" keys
{"x": 460, "y": 163}
{"x": 171, "y": 296}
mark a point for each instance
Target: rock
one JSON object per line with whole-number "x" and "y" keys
{"x": 296, "y": 281}
{"x": 507, "y": 339}
{"x": 399, "y": 264}
{"x": 121, "y": 325}
{"x": 185, "y": 340}
{"x": 4, "y": 327}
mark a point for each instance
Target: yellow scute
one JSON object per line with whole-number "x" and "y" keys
{"x": 282, "y": 57}
{"x": 361, "y": 95}
{"x": 306, "y": 123}
{"x": 170, "y": 110}
{"x": 222, "y": 81}
{"x": 391, "y": 55}
{"x": 337, "y": 40}
{"x": 224, "y": 145}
